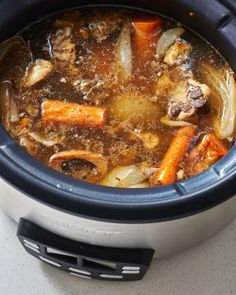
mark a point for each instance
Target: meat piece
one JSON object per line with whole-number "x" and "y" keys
{"x": 38, "y": 71}
{"x": 171, "y": 79}
{"x": 198, "y": 93}
{"x": 187, "y": 98}
{"x": 150, "y": 140}
{"x": 205, "y": 154}
{"x": 178, "y": 53}
{"x": 180, "y": 110}
{"x": 184, "y": 94}
{"x": 63, "y": 48}
{"x": 87, "y": 87}
{"x": 179, "y": 107}
{"x": 101, "y": 26}
{"x": 98, "y": 160}
{"x": 66, "y": 113}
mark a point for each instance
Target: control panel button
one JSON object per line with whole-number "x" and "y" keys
{"x": 131, "y": 267}
{"x": 106, "y": 276}
{"x": 49, "y": 261}
{"x": 131, "y": 272}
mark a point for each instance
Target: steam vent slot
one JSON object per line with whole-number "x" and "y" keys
{"x": 224, "y": 21}
{"x": 94, "y": 263}
{"x": 60, "y": 255}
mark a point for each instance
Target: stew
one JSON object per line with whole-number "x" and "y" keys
{"x": 117, "y": 97}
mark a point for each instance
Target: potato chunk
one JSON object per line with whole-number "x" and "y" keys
{"x": 134, "y": 108}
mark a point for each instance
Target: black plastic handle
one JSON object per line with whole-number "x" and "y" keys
{"x": 84, "y": 260}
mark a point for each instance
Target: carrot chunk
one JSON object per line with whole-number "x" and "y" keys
{"x": 67, "y": 113}
{"x": 146, "y": 33}
{"x": 178, "y": 148}
{"x": 205, "y": 154}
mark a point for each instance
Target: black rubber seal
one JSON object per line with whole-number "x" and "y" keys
{"x": 209, "y": 18}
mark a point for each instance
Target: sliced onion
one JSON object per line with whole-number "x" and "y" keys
{"x": 124, "y": 176}
{"x": 38, "y": 71}
{"x": 123, "y": 53}
{"x": 223, "y": 87}
{"x": 167, "y": 39}
{"x": 43, "y": 140}
{"x": 172, "y": 123}
{"x": 8, "y": 107}
{"x": 4, "y": 103}
{"x": 14, "y": 115}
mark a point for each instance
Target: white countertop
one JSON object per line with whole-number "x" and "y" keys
{"x": 208, "y": 269}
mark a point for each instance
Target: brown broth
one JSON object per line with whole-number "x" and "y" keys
{"x": 119, "y": 141}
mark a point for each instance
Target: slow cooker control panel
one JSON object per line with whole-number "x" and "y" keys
{"x": 84, "y": 260}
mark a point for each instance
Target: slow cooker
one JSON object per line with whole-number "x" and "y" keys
{"x": 99, "y": 232}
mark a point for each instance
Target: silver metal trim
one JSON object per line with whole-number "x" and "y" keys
{"x": 31, "y": 248}
{"x": 49, "y": 261}
{"x": 31, "y": 244}
{"x": 106, "y": 276}
{"x": 131, "y": 267}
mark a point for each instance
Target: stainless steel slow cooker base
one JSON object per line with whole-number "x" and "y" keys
{"x": 166, "y": 238}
